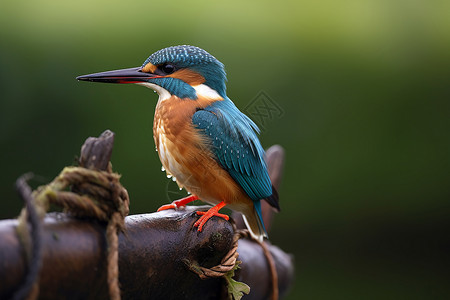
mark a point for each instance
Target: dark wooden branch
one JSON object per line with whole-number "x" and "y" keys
{"x": 154, "y": 252}
{"x": 152, "y": 257}
{"x": 96, "y": 152}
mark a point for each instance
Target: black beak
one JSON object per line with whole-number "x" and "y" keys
{"x": 131, "y": 75}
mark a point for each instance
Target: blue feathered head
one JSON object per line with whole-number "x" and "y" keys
{"x": 172, "y": 59}
{"x": 177, "y": 70}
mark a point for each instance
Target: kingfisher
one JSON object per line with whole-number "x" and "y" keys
{"x": 209, "y": 147}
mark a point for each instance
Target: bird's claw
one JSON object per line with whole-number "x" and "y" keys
{"x": 205, "y": 216}
{"x": 168, "y": 206}
{"x": 179, "y": 203}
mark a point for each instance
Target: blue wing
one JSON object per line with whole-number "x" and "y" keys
{"x": 236, "y": 146}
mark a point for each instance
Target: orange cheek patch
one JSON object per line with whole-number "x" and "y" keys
{"x": 149, "y": 68}
{"x": 188, "y": 76}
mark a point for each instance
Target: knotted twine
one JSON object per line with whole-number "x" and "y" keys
{"x": 229, "y": 262}
{"x": 94, "y": 194}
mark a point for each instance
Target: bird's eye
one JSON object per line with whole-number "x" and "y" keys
{"x": 168, "y": 68}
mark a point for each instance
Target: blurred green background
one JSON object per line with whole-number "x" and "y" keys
{"x": 364, "y": 90}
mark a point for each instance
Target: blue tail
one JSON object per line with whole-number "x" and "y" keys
{"x": 261, "y": 226}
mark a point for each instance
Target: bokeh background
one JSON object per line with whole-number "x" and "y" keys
{"x": 362, "y": 86}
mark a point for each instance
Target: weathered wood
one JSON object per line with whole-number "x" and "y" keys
{"x": 96, "y": 152}
{"x": 151, "y": 258}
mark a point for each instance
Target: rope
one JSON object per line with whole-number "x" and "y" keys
{"x": 226, "y": 264}
{"x": 113, "y": 256}
{"x": 229, "y": 262}
{"x": 272, "y": 267}
{"x": 30, "y": 289}
{"x": 94, "y": 194}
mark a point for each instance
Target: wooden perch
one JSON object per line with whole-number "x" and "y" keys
{"x": 160, "y": 255}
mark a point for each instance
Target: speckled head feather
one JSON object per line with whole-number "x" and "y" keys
{"x": 196, "y": 59}
{"x": 183, "y": 56}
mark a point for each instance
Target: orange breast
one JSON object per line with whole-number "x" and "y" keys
{"x": 185, "y": 154}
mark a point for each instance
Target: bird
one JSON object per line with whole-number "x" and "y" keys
{"x": 209, "y": 147}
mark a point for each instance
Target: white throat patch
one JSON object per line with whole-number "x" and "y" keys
{"x": 202, "y": 90}
{"x": 162, "y": 92}
{"x": 205, "y": 91}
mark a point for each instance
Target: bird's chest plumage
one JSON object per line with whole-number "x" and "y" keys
{"x": 186, "y": 155}
{"x": 177, "y": 141}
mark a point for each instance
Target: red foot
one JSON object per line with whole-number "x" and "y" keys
{"x": 179, "y": 203}
{"x": 206, "y": 215}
